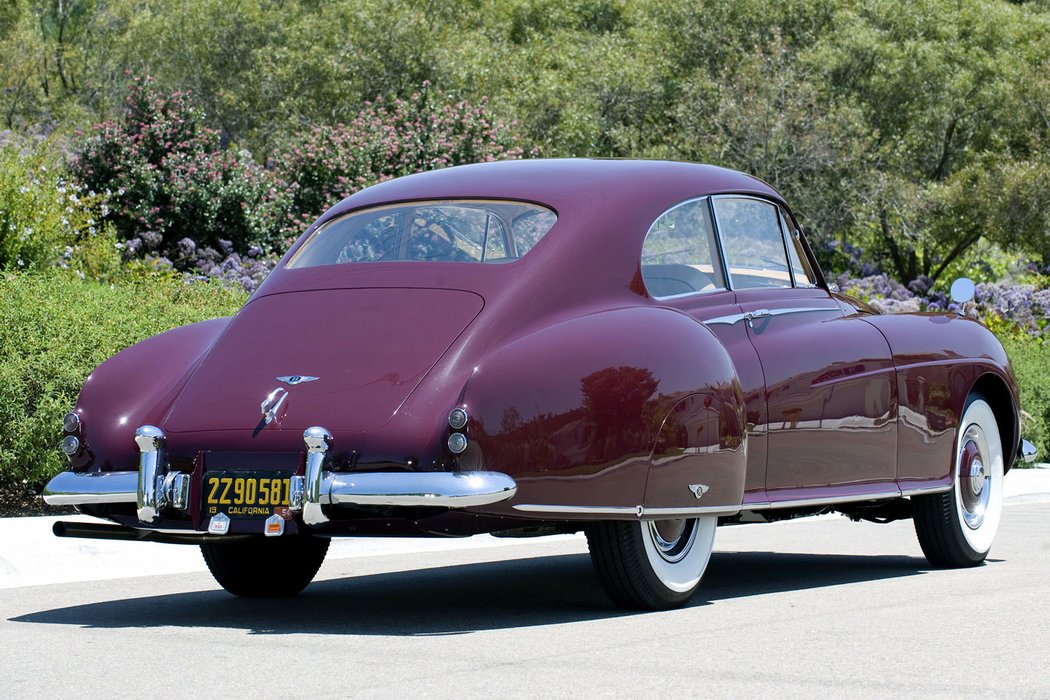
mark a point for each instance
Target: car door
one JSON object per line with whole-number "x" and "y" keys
{"x": 830, "y": 389}
{"x": 682, "y": 268}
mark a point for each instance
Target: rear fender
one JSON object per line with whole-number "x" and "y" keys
{"x": 573, "y": 413}
{"x": 136, "y": 387}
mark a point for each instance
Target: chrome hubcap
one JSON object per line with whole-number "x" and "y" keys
{"x": 973, "y": 478}
{"x": 672, "y": 538}
{"x": 977, "y": 476}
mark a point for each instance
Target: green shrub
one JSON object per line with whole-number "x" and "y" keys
{"x": 1031, "y": 361}
{"x": 45, "y": 219}
{"x": 54, "y": 330}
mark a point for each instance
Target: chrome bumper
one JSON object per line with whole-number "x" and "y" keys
{"x": 440, "y": 489}
{"x": 152, "y": 488}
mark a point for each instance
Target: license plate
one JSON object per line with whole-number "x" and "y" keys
{"x": 246, "y": 494}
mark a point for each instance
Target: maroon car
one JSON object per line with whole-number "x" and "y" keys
{"x": 640, "y": 350}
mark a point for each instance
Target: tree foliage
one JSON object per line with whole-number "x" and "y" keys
{"x": 915, "y": 130}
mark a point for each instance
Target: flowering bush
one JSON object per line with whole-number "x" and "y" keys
{"x": 171, "y": 177}
{"x": 181, "y": 199}
{"x": 45, "y": 219}
{"x": 201, "y": 264}
{"x": 1004, "y": 307}
{"x": 386, "y": 140}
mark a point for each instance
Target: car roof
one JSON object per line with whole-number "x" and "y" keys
{"x": 564, "y": 184}
{"x": 604, "y": 209}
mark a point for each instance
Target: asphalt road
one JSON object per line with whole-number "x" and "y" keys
{"x": 814, "y": 607}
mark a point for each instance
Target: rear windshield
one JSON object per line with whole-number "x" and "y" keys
{"x": 445, "y": 231}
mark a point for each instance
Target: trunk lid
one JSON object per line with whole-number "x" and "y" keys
{"x": 368, "y": 349}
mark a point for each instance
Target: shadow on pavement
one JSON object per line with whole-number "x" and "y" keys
{"x": 468, "y": 598}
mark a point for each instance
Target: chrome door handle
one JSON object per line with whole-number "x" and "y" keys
{"x": 750, "y": 316}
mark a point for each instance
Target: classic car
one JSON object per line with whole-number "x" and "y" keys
{"x": 639, "y": 350}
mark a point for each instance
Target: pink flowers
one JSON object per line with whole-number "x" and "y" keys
{"x": 178, "y": 182}
{"x": 386, "y": 140}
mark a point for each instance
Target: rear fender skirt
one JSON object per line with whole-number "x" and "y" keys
{"x": 699, "y": 457}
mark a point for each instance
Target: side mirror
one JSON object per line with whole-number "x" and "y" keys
{"x": 962, "y": 290}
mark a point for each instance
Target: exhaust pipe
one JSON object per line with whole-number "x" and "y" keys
{"x": 97, "y": 531}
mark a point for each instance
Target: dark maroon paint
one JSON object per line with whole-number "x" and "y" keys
{"x": 583, "y": 388}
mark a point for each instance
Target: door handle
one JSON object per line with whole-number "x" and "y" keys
{"x": 750, "y": 316}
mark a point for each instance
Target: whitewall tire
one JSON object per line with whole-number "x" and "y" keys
{"x": 956, "y": 528}
{"x": 653, "y": 565}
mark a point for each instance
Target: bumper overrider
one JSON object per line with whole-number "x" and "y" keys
{"x": 152, "y": 488}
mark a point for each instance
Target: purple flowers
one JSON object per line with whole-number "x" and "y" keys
{"x": 1001, "y": 306}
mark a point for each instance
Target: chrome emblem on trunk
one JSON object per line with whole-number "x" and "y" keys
{"x": 297, "y": 379}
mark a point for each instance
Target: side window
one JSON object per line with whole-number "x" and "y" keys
{"x": 679, "y": 255}
{"x": 797, "y": 255}
{"x": 753, "y": 243}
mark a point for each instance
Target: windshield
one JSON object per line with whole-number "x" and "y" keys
{"x": 445, "y": 231}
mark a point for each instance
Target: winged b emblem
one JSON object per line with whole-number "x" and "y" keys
{"x": 297, "y": 379}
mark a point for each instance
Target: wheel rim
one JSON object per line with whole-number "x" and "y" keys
{"x": 978, "y": 477}
{"x": 672, "y": 538}
{"x": 974, "y": 477}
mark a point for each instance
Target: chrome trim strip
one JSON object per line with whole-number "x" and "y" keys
{"x": 149, "y": 493}
{"x": 926, "y": 490}
{"x": 317, "y": 440}
{"x": 438, "y": 489}
{"x": 822, "y": 501}
{"x": 73, "y": 488}
{"x": 1028, "y": 451}
{"x": 578, "y": 510}
{"x": 799, "y": 310}
{"x": 761, "y": 313}
{"x": 635, "y": 511}
{"x": 724, "y": 320}
{"x": 686, "y": 512}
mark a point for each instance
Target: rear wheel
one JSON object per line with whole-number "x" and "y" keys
{"x": 651, "y": 565}
{"x": 956, "y": 528}
{"x": 266, "y": 567}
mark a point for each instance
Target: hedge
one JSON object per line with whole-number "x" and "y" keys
{"x": 54, "y": 330}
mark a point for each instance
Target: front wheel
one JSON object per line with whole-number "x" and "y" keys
{"x": 956, "y": 528}
{"x": 651, "y": 564}
{"x": 266, "y": 567}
